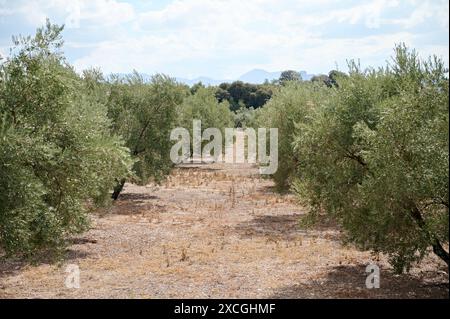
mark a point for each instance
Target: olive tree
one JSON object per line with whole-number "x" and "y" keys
{"x": 58, "y": 157}
{"x": 375, "y": 156}
{"x": 203, "y": 105}
{"x": 290, "y": 105}
{"x": 144, "y": 114}
{"x": 289, "y": 76}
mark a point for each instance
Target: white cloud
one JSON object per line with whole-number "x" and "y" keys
{"x": 224, "y": 38}
{"x": 90, "y": 12}
{"x": 5, "y": 12}
{"x": 369, "y": 13}
{"x": 424, "y": 11}
{"x": 323, "y": 55}
{"x": 144, "y": 53}
{"x": 199, "y": 29}
{"x": 441, "y": 51}
{"x": 105, "y": 12}
{"x": 2, "y": 53}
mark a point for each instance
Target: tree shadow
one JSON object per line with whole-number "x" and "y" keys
{"x": 350, "y": 282}
{"x": 133, "y": 204}
{"x": 284, "y": 227}
{"x": 140, "y": 197}
{"x": 12, "y": 265}
{"x": 273, "y": 190}
{"x": 81, "y": 241}
{"x": 197, "y": 167}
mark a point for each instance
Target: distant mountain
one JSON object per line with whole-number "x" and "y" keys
{"x": 256, "y": 76}
{"x": 205, "y": 80}
{"x": 306, "y": 76}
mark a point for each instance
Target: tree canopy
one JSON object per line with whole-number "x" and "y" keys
{"x": 289, "y": 76}
{"x": 251, "y": 95}
{"x": 373, "y": 154}
{"x": 57, "y": 153}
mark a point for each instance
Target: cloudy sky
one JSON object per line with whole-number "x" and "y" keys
{"x": 224, "y": 38}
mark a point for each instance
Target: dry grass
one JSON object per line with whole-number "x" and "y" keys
{"x": 214, "y": 231}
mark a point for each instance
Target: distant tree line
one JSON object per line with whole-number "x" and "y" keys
{"x": 239, "y": 93}
{"x": 253, "y": 96}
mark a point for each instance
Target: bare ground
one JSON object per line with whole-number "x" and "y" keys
{"x": 214, "y": 231}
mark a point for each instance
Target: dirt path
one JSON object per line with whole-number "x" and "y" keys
{"x": 214, "y": 231}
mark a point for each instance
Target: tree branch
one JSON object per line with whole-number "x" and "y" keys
{"x": 434, "y": 242}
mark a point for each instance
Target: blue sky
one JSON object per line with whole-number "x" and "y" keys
{"x": 223, "y": 39}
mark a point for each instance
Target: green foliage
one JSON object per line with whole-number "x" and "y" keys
{"x": 289, "y": 106}
{"x": 57, "y": 155}
{"x": 204, "y": 106}
{"x": 375, "y": 156}
{"x": 239, "y": 93}
{"x": 370, "y": 148}
{"x": 330, "y": 80}
{"x": 289, "y": 76}
{"x": 196, "y": 87}
{"x": 334, "y": 77}
{"x": 144, "y": 114}
{"x": 245, "y": 117}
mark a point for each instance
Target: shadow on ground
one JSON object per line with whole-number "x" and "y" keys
{"x": 13, "y": 265}
{"x": 349, "y": 282}
{"x": 272, "y": 190}
{"x": 136, "y": 203}
{"x": 196, "y": 167}
{"x": 138, "y": 197}
{"x": 283, "y": 227}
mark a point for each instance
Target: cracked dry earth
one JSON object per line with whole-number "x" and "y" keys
{"x": 213, "y": 231}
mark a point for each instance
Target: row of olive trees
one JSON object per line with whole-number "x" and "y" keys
{"x": 56, "y": 148}
{"x": 145, "y": 113}
{"x": 372, "y": 152}
{"x": 68, "y": 141}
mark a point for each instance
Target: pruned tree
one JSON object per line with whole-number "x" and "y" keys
{"x": 375, "y": 157}
{"x": 58, "y": 157}
{"x": 144, "y": 114}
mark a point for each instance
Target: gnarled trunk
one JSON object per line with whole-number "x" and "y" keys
{"x": 118, "y": 188}
{"x": 434, "y": 242}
